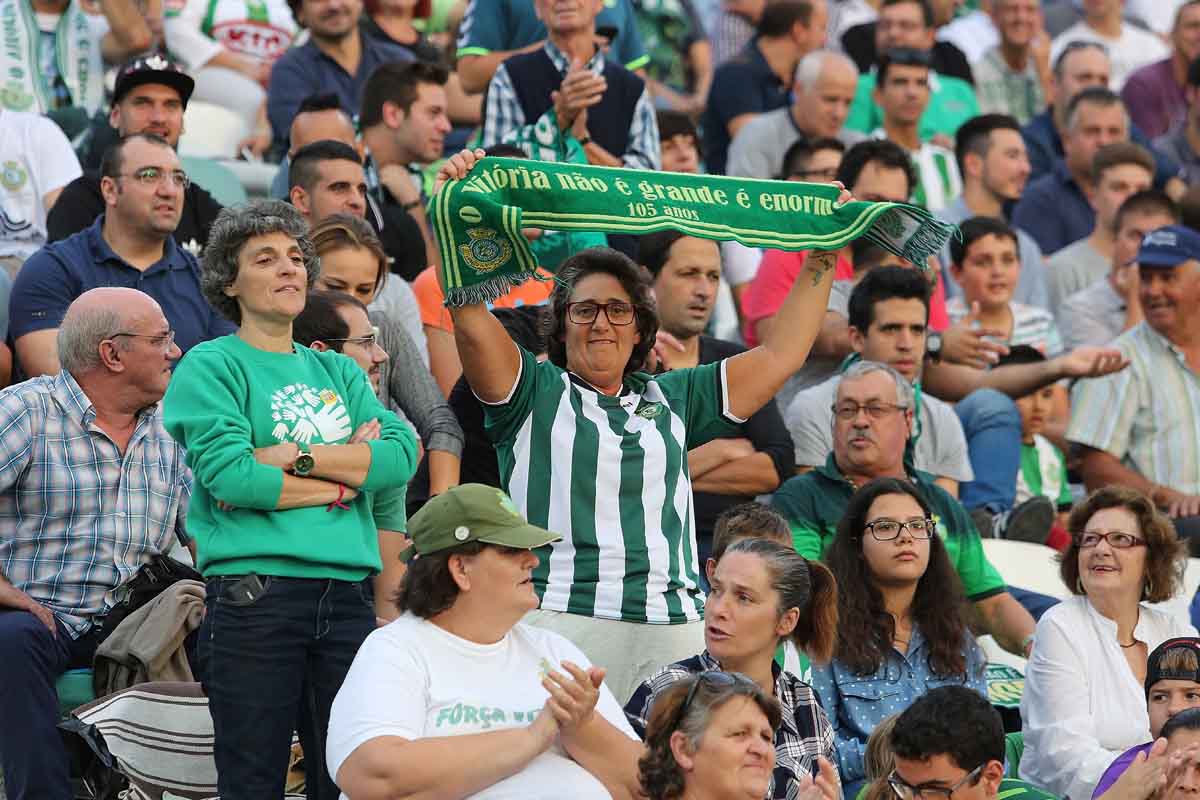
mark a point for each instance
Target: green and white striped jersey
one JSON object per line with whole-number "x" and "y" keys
{"x": 610, "y": 474}
{"x": 939, "y": 182}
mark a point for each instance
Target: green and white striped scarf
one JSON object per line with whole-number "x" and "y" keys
{"x": 478, "y": 219}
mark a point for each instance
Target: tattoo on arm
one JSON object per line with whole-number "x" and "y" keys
{"x": 821, "y": 263}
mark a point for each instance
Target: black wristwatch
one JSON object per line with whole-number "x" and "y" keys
{"x": 933, "y": 347}
{"x": 304, "y": 463}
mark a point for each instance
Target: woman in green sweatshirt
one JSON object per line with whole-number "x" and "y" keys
{"x": 286, "y": 445}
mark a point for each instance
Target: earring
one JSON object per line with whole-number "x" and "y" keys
{"x": 1148, "y": 589}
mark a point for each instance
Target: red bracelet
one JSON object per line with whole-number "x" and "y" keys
{"x": 338, "y": 503}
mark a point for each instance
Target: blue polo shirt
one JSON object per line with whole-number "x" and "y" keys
{"x": 61, "y": 271}
{"x": 1054, "y": 211}
{"x": 745, "y": 84}
{"x": 305, "y": 71}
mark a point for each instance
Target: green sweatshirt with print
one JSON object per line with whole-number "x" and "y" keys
{"x": 227, "y": 398}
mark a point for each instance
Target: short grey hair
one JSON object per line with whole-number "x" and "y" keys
{"x": 904, "y": 389}
{"x": 813, "y": 66}
{"x": 80, "y": 335}
{"x": 1100, "y": 97}
{"x": 237, "y": 225}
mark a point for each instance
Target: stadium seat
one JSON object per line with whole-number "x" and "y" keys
{"x": 220, "y": 181}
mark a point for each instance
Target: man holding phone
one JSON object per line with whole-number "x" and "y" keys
{"x": 572, "y": 82}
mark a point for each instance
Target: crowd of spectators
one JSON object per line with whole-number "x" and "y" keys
{"x": 681, "y": 518}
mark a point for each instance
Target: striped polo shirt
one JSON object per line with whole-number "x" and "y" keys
{"x": 1147, "y": 415}
{"x": 610, "y": 475}
{"x": 1031, "y": 325}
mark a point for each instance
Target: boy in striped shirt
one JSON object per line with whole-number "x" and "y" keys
{"x": 902, "y": 92}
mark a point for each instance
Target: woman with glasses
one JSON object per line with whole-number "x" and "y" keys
{"x": 353, "y": 262}
{"x": 901, "y": 619}
{"x": 592, "y": 446}
{"x": 1084, "y": 701}
{"x": 709, "y": 738}
{"x": 286, "y": 446}
{"x": 764, "y": 594}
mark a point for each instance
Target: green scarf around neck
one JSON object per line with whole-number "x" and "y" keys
{"x": 478, "y": 219}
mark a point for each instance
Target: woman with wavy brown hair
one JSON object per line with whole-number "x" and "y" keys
{"x": 901, "y": 623}
{"x": 1084, "y": 700}
{"x": 709, "y": 738}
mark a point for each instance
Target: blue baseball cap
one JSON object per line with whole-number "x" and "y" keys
{"x": 1169, "y": 247}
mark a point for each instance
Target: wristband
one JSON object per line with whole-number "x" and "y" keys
{"x": 585, "y": 141}
{"x": 338, "y": 503}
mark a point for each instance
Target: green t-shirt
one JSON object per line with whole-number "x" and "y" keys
{"x": 610, "y": 474}
{"x": 226, "y": 399}
{"x": 951, "y": 103}
{"x": 1044, "y": 472}
{"x": 815, "y": 502}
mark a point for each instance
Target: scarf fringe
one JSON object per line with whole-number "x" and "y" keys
{"x": 486, "y": 291}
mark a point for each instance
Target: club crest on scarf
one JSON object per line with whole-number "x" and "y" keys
{"x": 485, "y": 252}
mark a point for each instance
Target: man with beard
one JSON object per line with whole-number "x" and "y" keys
{"x": 1141, "y": 427}
{"x": 150, "y": 97}
{"x": 129, "y": 245}
{"x": 994, "y": 164}
{"x": 727, "y": 471}
{"x": 338, "y": 58}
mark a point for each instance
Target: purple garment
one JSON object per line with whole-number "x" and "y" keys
{"x": 1117, "y": 768}
{"x": 1154, "y": 98}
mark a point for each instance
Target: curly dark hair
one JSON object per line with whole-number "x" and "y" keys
{"x": 865, "y": 628}
{"x": 427, "y": 588}
{"x": 660, "y": 776}
{"x": 953, "y": 721}
{"x": 1166, "y": 556}
{"x": 604, "y": 261}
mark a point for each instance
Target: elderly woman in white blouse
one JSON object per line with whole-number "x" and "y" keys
{"x": 1084, "y": 702}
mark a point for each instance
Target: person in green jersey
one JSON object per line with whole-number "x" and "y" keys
{"x": 594, "y": 448}
{"x": 286, "y": 446}
{"x": 949, "y": 745}
{"x": 873, "y": 414}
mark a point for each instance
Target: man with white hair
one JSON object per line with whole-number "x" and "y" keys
{"x": 91, "y": 486}
{"x": 823, "y": 90}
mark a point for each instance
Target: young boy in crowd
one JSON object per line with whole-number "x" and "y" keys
{"x": 1172, "y": 686}
{"x": 986, "y": 264}
{"x": 1043, "y": 466}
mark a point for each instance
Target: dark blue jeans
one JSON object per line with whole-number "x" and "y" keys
{"x": 992, "y": 426}
{"x": 32, "y": 755}
{"x": 272, "y": 665}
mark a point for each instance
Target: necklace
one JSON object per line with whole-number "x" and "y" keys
{"x": 1127, "y": 646}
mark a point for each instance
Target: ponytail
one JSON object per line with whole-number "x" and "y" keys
{"x": 816, "y": 632}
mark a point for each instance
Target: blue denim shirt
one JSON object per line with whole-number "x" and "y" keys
{"x": 855, "y": 704}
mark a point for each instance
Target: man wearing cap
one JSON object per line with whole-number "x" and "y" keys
{"x": 1172, "y": 685}
{"x": 130, "y": 244}
{"x": 1141, "y": 427}
{"x": 458, "y": 696}
{"x": 150, "y": 97}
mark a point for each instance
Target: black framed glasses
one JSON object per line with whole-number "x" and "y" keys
{"x": 152, "y": 176}
{"x": 875, "y": 409}
{"x": 904, "y": 791}
{"x": 1118, "y": 540}
{"x": 714, "y": 678}
{"x": 585, "y": 312}
{"x": 885, "y": 530}
{"x": 370, "y": 340}
{"x": 163, "y": 340}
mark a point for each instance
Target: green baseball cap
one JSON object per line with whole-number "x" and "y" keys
{"x": 471, "y": 513}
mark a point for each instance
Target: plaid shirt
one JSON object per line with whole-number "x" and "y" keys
{"x": 77, "y": 517}
{"x": 803, "y": 735}
{"x": 504, "y": 121}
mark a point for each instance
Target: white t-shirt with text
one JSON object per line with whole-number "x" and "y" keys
{"x": 415, "y": 680}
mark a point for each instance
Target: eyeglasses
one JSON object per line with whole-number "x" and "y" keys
{"x": 905, "y": 792}
{"x": 1118, "y": 540}
{"x": 714, "y": 678}
{"x": 585, "y": 312}
{"x": 885, "y": 530}
{"x": 152, "y": 176}
{"x": 163, "y": 340}
{"x": 875, "y": 410}
{"x": 368, "y": 341}
{"x": 814, "y": 175}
